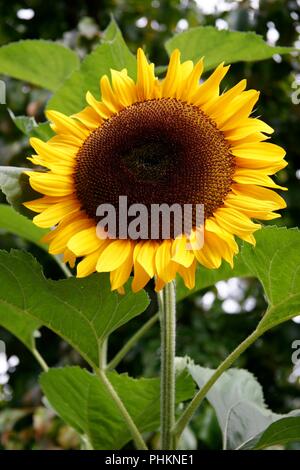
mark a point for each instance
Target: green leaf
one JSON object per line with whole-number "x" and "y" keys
{"x": 84, "y": 312}
{"x": 222, "y": 46}
{"x": 39, "y": 62}
{"x": 83, "y": 402}
{"x": 11, "y": 221}
{"x": 238, "y": 401}
{"x": 31, "y": 128}
{"x": 275, "y": 261}
{"x": 112, "y": 53}
{"x": 13, "y": 306}
{"x": 15, "y": 185}
{"x": 281, "y": 432}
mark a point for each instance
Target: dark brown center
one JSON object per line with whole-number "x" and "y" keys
{"x": 154, "y": 152}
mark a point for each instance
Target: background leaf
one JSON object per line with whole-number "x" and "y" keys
{"x": 82, "y": 401}
{"x": 15, "y": 185}
{"x": 238, "y": 401}
{"x": 13, "y": 222}
{"x": 112, "y": 53}
{"x": 82, "y": 311}
{"x": 281, "y": 432}
{"x": 31, "y": 128}
{"x": 222, "y": 46}
{"x": 39, "y": 62}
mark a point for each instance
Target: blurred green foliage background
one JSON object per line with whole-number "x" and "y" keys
{"x": 210, "y": 325}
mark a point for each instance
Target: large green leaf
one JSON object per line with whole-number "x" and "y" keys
{"x": 39, "y": 62}
{"x": 14, "y": 315}
{"x": 83, "y": 402}
{"x": 15, "y": 185}
{"x": 112, "y": 53}
{"x": 275, "y": 261}
{"x": 222, "y": 46}
{"x": 13, "y": 222}
{"x": 31, "y": 128}
{"x": 82, "y": 311}
{"x": 238, "y": 401}
{"x": 281, "y": 432}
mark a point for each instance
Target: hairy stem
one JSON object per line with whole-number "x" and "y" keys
{"x": 168, "y": 338}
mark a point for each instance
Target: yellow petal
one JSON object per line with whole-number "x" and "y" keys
{"x": 88, "y": 265}
{"x": 236, "y": 223}
{"x": 51, "y": 184}
{"x": 39, "y": 205}
{"x": 215, "y": 107}
{"x": 85, "y": 242}
{"x": 240, "y": 108}
{"x": 247, "y": 127}
{"x": 121, "y": 275}
{"x": 89, "y": 117}
{"x": 173, "y": 76}
{"x": 180, "y": 253}
{"x": 100, "y": 108}
{"x": 124, "y": 88}
{"x": 146, "y": 256}
{"x": 114, "y": 255}
{"x": 188, "y": 275}
{"x": 210, "y": 89}
{"x": 108, "y": 97}
{"x": 52, "y": 152}
{"x": 165, "y": 267}
{"x": 255, "y": 177}
{"x": 145, "y": 77}
{"x": 54, "y": 213}
{"x": 67, "y": 125}
{"x": 261, "y": 194}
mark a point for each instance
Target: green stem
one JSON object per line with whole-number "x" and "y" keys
{"x": 40, "y": 360}
{"x": 131, "y": 342}
{"x": 198, "y": 398}
{"x": 63, "y": 266}
{"x": 136, "y": 435}
{"x": 103, "y": 354}
{"x": 168, "y": 337}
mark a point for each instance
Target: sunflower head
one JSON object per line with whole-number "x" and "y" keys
{"x": 176, "y": 141}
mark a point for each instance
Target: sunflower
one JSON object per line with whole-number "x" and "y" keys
{"x": 176, "y": 140}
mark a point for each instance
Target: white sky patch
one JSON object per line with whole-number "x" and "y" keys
{"x": 254, "y": 4}
{"x": 234, "y": 288}
{"x": 206, "y": 301}
{"x": 182, "y": 25}
{"x": 298, "y": 174}
{"x": 221, "y": 24}
{"x": 294, "y": 15}
{"x": 3, "y": 363}
{"x": 272, "y": 33}
{"x": 211, "y": 7}
{"x": 249, "y": 304}
{"x": 231, "y": 306}
{"x": 141, "y": 22}
{"x": 25, "y": 14}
